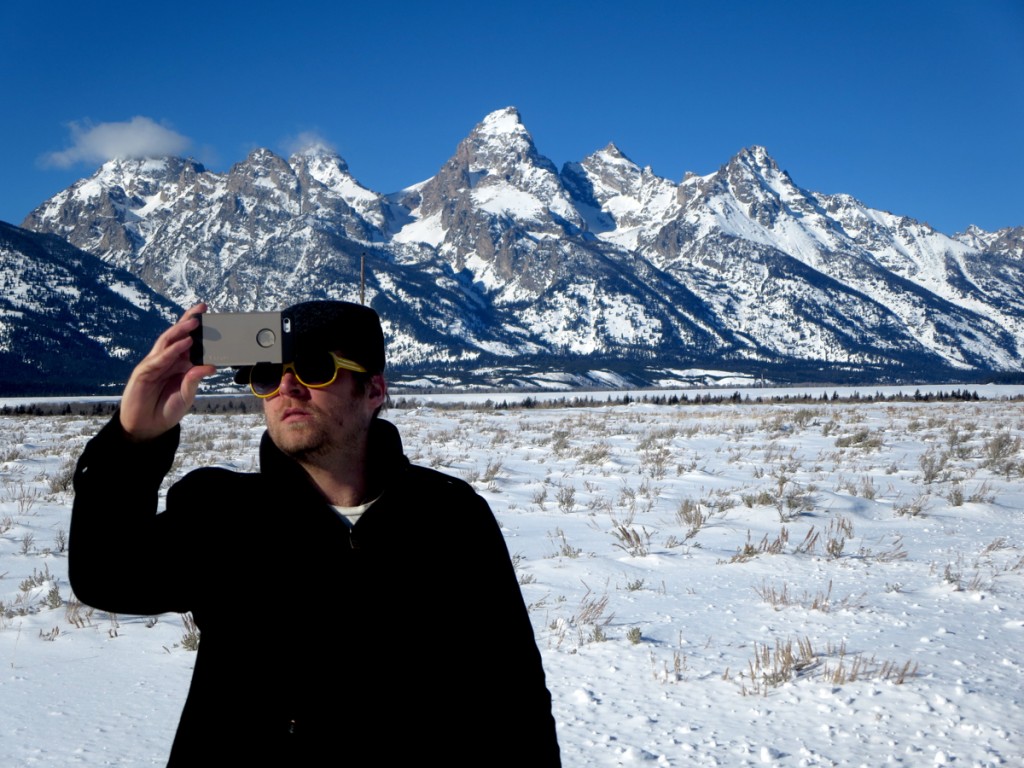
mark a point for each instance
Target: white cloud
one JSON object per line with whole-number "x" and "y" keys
{"x": 307, "y": 142}
{"x": 136, "y": 138}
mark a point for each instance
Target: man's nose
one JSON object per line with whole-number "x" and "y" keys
{"x": 291, "y": 386}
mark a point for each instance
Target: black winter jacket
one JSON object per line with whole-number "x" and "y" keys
{"x": 402, "y": 640}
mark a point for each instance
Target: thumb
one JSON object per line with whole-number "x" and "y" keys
{"x": 190, "y": 381}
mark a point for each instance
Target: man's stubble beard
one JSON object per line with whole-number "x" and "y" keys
{"x": 300, "y": 441}
{"x": 319, "y": 442}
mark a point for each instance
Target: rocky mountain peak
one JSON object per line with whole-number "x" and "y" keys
{"x": 613, "y": 157}
{"x": 319, "y": 156}
{"x": 126, "y": 170}
{"x": 497, "y": 171}
{"x": 261, "y": 162}
{"x": 616, "y": 172}
{"x": 752, "y": 162}
{"x": 497, "y": 204}
{"x": 502, "y": 122}
{"x": 136, "y": 178}
{"x": 100, "y": 214}
{"x": 612, "y": 151}
{"x": 627, "y": 195}
{"x": 326, "y": 181}
{"x": 1008, "y": 241}
{"x": 762, "y": 189}
{"x": 327, "y": 168}
{"x": 500, "y": 145}
{"x": 758, "y": 155}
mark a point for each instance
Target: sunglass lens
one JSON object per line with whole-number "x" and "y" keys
{"x": 265, "y": 378}
{"x": 315, "y": 370}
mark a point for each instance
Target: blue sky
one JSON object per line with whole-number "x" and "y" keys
{"x": 913, "y": 107}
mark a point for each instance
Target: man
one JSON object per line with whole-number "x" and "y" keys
{"x": 354, "y": 609}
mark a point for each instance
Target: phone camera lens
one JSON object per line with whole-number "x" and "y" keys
{"x": 266, "y": 338}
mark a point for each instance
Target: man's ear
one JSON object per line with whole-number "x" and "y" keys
{"x": 377, "y": 390}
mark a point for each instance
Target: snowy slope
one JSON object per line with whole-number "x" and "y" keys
{"x": 68, "y": 322}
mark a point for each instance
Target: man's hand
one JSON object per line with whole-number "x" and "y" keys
{"x": 162, "y": 387}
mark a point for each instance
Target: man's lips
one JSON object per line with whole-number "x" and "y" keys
{"x": 295, "y": 414}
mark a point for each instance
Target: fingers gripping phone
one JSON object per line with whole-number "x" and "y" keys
{"x": 241, "y": 338}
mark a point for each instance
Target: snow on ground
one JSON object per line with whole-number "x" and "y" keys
{"x": 741, "y": 584}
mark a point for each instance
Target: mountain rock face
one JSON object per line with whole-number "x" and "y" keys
{"x": 502, "y": 269}
{"x": 68, "y": 322}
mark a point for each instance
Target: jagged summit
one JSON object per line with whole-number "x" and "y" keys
{"x": 497, "y": 180}
{"x": 756, "y": 156}
{"x": 1009, "y": 241}
{"x": 325, "y": 163}
{"x": 502, "y": 122}
{"x": 754, "y": 161}
{"x": 617, "y": 196}
{"x": 611, "y": 150}
{"x": 499, "y": 143}
{"x": 262, "y": 155}
{"x": 610, "y": 163}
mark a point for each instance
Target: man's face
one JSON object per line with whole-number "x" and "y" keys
{"x": 316, "y": 424}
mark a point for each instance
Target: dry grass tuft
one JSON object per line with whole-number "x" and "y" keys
{"x": 190, "y": 637}
{"x": 750, "y": 550}
{"x": 631, "y": 541}
{"x": 779, "y": 598}
{"x": 849, "y": 669}
{"x": 771, "y": 667}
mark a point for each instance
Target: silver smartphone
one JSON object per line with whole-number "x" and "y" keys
{"x": 241, "y": 338}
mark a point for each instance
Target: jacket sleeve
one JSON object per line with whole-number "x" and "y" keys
{"x": 525, "y": 728}
{"x": 123, "y": 557}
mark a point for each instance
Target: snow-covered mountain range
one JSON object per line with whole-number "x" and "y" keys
{"x": 502, "y": 269}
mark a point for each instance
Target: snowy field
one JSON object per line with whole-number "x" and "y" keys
{"x": 818, "y": 584}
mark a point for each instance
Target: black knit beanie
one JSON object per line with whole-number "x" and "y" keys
{"x": 351, "y": 330}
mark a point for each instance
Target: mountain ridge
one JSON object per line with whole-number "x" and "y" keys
{"x": 502, "y": 268}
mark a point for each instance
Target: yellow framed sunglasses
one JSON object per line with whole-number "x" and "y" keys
{"x": 312, "y": 370}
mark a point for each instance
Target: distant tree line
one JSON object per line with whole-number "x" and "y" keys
{"x": 706, "y": 398}
{"x": 244, "y": 403}
{"x": 241, "y": 404}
